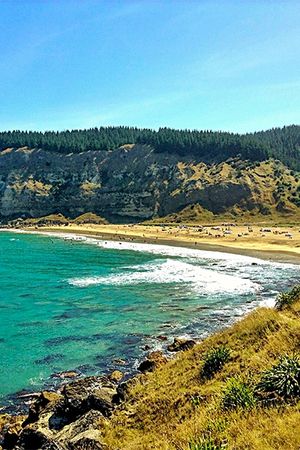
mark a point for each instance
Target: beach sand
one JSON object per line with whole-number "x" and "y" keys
{"x": 280, "y": 243}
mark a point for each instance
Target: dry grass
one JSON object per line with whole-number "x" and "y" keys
{"x": 272, "y": 187}
{"x": 173, "y": 407}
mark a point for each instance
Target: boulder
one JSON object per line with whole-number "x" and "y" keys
{"x": 161, "y": 337}
{"x": 116, "y": 376}
{"x": 154, "y": 360}
{"x": 146, "y": 366}
{"x": 88, "y": 440}
{"x": 10, "y": 428}
{"x": 84, "y": 427}
{"x": 35, "y": 438}
{"x": 46, "y": 402}
{"x": 146, "y": 347}
{"x": 88, "y": 393}
{"x": 66, "y": 374}
{"x": 181, "y": 344}
{"x": 124, "y": 388}
{"x": 119, "y": 361}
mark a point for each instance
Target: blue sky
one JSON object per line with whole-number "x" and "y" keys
{"x": 221, "y": 65}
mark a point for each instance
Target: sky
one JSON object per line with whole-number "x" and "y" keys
{"x": 197, "y": 64}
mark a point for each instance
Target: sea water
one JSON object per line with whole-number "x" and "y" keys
{"x": 80, "y": 303}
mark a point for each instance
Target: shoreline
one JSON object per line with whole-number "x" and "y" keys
{"x": 62, "y": 232}
{"x": 290, "y": 255}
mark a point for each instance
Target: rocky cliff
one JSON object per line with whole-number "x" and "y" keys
{"x": 133, "y": 183}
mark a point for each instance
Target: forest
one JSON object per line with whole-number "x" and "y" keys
{"x": 209, "y": 146}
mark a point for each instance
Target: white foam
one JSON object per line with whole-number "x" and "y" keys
{"x": 268, "y": 302}
{"x": 173, "y": 271}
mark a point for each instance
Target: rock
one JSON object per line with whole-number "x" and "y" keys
{"x": 71, "y": 432}
{"x": 181, "y": 344}
{"x": 27, "y": 395}
{"x": 123, "y": 389}
{"x": 119, "y": 361}
{"x": 116, "y": 376}
{"x": 66, "y": 374}
{"x": 47, "y": 401}
{"x": 88, "y": 393}
{"x": 88, "y": 440}
{"x": 34, "y": 438}
{"x": 154, "y": 360}
{"x": 10, "y": 428}
{"x": 102, "y": 400}
{"x": 146, "y": 366}
{"x": 146, "y": 347}
{"x": 162, "y": 338}
{"x": 89, "y": 422}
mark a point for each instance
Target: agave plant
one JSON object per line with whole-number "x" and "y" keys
{"x": 238, "y": 394}
{"x": 286, "y": 299}
{"x": 207, "y": 444}
{"x": 282, "y": 381}
{"x": 214, "y": 360}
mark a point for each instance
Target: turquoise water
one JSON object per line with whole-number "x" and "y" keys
{"x": 67, "y": 304}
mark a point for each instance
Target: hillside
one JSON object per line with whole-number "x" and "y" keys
{"x": 194, "y": 175}
{"x": 211, "y": 397}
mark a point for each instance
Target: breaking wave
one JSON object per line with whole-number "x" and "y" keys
{"x": 173, "y": 271}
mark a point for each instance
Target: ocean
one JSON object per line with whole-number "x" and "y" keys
{"x": 75, "y": 303}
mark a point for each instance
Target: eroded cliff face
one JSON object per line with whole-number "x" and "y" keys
{"x": 128, "y": 184}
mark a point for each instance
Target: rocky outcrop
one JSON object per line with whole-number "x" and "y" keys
{"x": 127, "y": 185}
{"x": 86, "y": 394}
{"x": 73, "y": 417}
{"x": 153, "y": 360}
{"x": 70, "y": 420}
{"x": 181, "y": 344}
{"x": 10, "y": 428}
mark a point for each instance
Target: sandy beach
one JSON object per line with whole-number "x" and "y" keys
{"x": 282, "y": 243}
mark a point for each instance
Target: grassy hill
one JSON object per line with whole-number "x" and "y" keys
{"x": 232, "y": 391}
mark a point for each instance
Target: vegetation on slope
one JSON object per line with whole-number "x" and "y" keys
{"x": 274, "y": 192}
{"x": 249, "y": 400}
{"x": 281, "y": 143}
{"x": 59, "y": 219}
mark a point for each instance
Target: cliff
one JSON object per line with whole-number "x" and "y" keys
{"x": 134, "y": 183}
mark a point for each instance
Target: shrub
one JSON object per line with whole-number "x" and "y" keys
{"x": 214, "y": 360}
{"x": 196, "y": 400}
{"x": 237, "y": 394}
{"x": 207, "y": 444}
{"x": 282, "y": 381}
{"x": 286, "y": 299}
